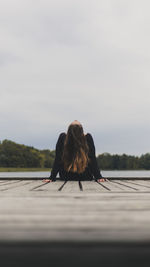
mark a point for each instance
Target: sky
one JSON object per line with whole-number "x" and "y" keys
{"x": 89, "y": 60}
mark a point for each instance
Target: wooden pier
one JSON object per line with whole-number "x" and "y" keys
{"x": 75, "y": 223}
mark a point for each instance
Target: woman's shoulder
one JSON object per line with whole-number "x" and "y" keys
{"x": 89, "y": 138}
{"x": 88, "y": 135}
{"x": 62, "y": 135}
{"x": 61, "y": 139}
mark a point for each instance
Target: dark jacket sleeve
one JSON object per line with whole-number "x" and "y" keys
{"x": 93, "y": 161}
{"x": 58, "y": 151}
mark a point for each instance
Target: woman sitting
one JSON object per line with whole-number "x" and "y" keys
{"x": 75, "y": 156}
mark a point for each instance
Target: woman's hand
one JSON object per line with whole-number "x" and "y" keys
{"x": 101, "y": 180}
{"x": 47, "y": 180}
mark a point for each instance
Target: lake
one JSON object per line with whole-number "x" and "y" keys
{"x": 106, "y": 174}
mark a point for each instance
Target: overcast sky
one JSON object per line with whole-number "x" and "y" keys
{"x": 88, "y": 60}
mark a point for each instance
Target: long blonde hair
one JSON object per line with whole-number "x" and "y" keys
{"x": 75, "y": 154}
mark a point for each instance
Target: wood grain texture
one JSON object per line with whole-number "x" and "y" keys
{"x": 86, "y": 211}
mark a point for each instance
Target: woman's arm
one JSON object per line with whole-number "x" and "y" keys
{"x": 93, "y": 164}
{"x": 56, "y": 164}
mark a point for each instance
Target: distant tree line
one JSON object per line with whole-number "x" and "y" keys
{"x": 107, "y": 161}
{"x": 17, "y": 155}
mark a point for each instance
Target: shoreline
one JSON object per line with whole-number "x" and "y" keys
{"x": 20, "y": 169}
{"x": 13, "y": 169}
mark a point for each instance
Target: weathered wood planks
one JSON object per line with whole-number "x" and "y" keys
{"x": 111, "y": 185}
{"x": 85, "y": 210}
{"x": 90, "y": 220}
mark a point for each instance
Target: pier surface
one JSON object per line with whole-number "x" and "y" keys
{"x": 75, "y": 222}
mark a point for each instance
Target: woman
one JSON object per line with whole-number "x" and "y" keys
{"x": 75, "y": 156}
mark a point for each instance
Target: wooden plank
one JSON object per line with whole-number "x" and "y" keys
{"x": 39, "y": 186}
{"x": 4, "y": 181}
{"x": 71, "y": 187}
{"x": 124, "y": 185}
{"x": 92, "y": 186}
{"x": 10, "y": 185}
{"x": 23, "y": 186}
{"x": 108, "y": 218}
{"x": 31, "y": 187}
{"x": 115, "y": 187}
{"x": 8, "y": 182}
{"x": 21, "y": 189}
{"x": 142, "y": 183}
{"x": 137, "y": 185}
{"x": 51, "y": 187}
{"x": 117, "y": 201}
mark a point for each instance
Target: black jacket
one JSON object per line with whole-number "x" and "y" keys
{"x": 91, "y": 172}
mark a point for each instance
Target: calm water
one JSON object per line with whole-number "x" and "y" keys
{"x": 104, "y": 173}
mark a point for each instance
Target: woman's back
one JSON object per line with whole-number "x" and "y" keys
{"x": 90, "y": 172}
{"x": 75, "y": 157}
